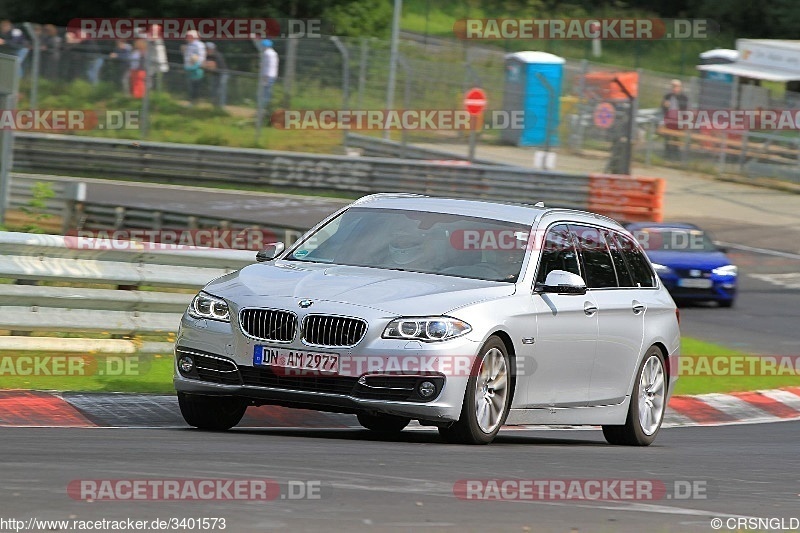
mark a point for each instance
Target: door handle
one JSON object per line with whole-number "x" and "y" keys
{"x": 638, "y": 307}
{"x": 589, "y": 308}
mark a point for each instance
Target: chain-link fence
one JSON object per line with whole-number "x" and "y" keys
{"x": 432, "y": 74}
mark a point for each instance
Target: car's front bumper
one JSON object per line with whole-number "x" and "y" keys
{"x": 233, "y": 353}
{"x": 723, "y": 288}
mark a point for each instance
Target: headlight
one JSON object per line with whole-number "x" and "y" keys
{"x": 207, "y": 306}
{"x": 427, "y": 329}
{"x": 727, "y": 270}
{"x": 661, "y": 269}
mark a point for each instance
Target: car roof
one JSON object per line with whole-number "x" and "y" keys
{"x": 511, "y": 212}
{"x": 660, "y": 225}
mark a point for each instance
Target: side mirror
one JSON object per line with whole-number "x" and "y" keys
{"x": 562, "y": 282}
{"x": 270, "y": 252}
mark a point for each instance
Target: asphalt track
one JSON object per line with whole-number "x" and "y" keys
{"x": 372, "y": 484}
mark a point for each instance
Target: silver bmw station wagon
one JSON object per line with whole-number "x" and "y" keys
{"x": 460, "y": 314}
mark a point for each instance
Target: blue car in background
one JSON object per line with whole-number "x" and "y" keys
{"x": 689, "y": 264}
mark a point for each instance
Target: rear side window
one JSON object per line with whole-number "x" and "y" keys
{"x": 596, "y": 257}
{"x": 558, "y": 253}
{"x": 623, "y": 274}
{"x": 641, "y": 272}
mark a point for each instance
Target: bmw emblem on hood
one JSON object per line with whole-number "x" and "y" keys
{"x": 305, "y": 303}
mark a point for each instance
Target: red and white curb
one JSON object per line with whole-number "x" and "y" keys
{"x": 51, "y": 409}
{"x": 734, "y": 408}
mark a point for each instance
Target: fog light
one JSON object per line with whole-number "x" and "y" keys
{"x": 186, "y": 364}
{"x": 426, "y": 389}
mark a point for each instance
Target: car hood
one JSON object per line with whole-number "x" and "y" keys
{"x": 391, "y": 291}
{"x": 699, "y": 260}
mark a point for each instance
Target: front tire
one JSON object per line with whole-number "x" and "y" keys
{"x": 647, "y": 405}
{"x": 487, "y": 398}
{"x": 383, "y": 423}
{"x": 214, "y": 413}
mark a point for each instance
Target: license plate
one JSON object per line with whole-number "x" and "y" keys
{"x": 327, "y": 363}
{"x": 695, "y": 283}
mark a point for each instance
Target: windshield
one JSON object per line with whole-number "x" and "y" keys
{"x": 674, "y": 239}
{"x": 417, "y": 241}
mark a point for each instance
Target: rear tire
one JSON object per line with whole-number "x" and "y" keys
{"x": 487, "y": 398}
{"x": 647, "y": 405}
{"x": 214, "y": 413}
{"x": 383, "y": 423}
{"x": 725, "y": 303}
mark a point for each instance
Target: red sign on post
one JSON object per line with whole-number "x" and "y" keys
{"x": 475, "y": 101}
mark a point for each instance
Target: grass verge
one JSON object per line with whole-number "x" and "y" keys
{"x": 705, "y": 379}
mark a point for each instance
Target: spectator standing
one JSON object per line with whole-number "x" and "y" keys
{"x": 159, "y": 64}
{"x": 216, "y": 64}
{"x": 136, "y": 71}
{"x": 14, "y": 40}
{"x": 89, "y": 55}
{"x": 673, "y": 102}
{"x": 194, "y": 55}
{"x": 122, "y": 58}
{"x": 51, "y": 51}
{"x": 269, "y": 72}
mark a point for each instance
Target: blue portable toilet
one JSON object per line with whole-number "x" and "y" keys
{"x": 533, "y": 85}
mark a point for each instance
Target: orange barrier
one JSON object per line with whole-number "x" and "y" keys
{"x": 602, "y": 84}
{"x": 626, "y": 198}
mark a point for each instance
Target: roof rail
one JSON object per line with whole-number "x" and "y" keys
{"x": 582, "y": 212}
{"x": 380, "y": 195}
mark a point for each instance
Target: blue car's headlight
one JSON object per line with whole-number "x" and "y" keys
{"x": 727, "y": 270}
{"x": 427, "y": 329}
{"x": 206, "y": 306}
{"x": 661, "y": 269}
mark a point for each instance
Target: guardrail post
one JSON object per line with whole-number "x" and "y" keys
{"x": 74, "y": 197}
{"x": 158, "y": 220}
{"x": 687, "y": 147}
{"x": 119, "y": 217}
{"x": 743, "y": 152}
{"x": 722, "y": 152}
{"x": 192, "y": 222}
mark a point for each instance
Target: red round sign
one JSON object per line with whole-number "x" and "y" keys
{"x": 603, "y": 115}
{"x": 475, "y": 101}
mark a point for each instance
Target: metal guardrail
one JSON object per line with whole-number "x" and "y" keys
{"x": 93, "y": 268}
{"x": 194, "y": 164}
{"x": 375, "y": 147}
{"x": 71, "y": 211}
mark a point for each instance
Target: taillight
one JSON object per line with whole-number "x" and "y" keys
{"x": 678, "y": 315}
